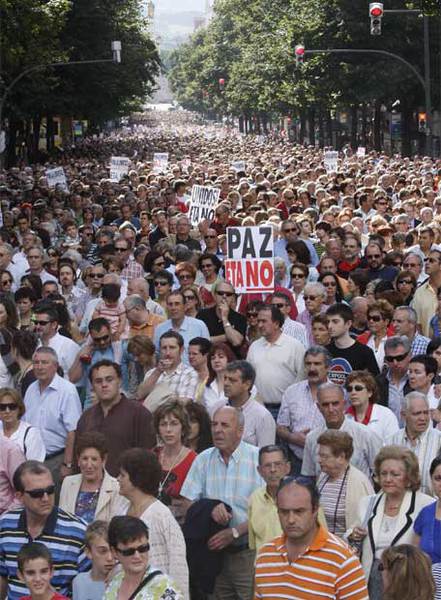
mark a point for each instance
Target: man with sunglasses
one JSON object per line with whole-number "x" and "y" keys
{"x": 425, "y": 300}
{"x": 40, "y": 520}
{"x": 393, "y": 383}
{"x": 374, "y": 256}
{"x": 290, "y": 231}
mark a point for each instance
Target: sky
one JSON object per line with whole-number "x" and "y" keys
{"x": 183, "y": 5}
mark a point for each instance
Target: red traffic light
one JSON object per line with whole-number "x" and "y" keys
{"x": 376, "y": 12}
{"x": 221, "y": 81}
{"x": 299, "y": 50}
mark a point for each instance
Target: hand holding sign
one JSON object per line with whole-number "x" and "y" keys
{"x": 203, "y": 204}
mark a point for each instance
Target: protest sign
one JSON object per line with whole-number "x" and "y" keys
{"x": 56, "y": 177}
{"x": 249, "y": 265}
{"x": 238, "y": 165}
{"x": 331, "y": 160}
{"x": 160, "y": 162}
{"x": 119, "y": 166}
{"x": 361, "y": 152}
{"x": 203, "y": 203}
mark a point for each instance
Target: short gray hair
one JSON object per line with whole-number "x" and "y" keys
{"x": 411, "y": 313}
{"x": 330, "y": 386}
{"x": 239, "y": 414}
{"x": 418, "y": 256}
{"x": 316, "y": 285}
{"x": 134, "y": 301}
{"x": 46, "y": 350}
{"x": 316, "y": 350}
{"x": 414, "y": 396}
{"x": 394, "y": 342}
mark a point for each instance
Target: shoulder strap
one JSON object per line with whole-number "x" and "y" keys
{"x": 24, "y": 439}
{"x": 144, "y": 582}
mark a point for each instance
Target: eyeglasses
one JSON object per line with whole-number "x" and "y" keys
{"x": 131, "y": 551}
{"x": 6, "y": 281}
{"x": 397, "y": 358}
{"x": 310, "y": 297}
{"x": 207, "y": 266}
{"x": 297, "y": 275}
{"x": 375, "y": 318}
{"x": 10, "y": 406}
{"x": 278, "y": 305}
{"x": 40, "y": 492}
{"x": 121, "y": 249}
{"x": 290, "y": 229}
{"x": 369, "y": 256}
{"x": 102, "y": 339}
{"x": 406, "y": 281}
{"x": 189, "y": 298}
{"x": 210, "y": 237}
{"x": 160, "y": 283}
{"x": 96, "y": 275}
{"x": 183, "y": 276}
{"x": 355, "y": 388}
{"x": 251, "y": 314}
{"x": 42, "y": 323}
{"x": 227, "y": 294}
{"x": 330, "y": 284}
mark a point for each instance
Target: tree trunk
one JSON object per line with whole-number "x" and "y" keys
{"x": 406, "y": 130}
{"x": 377, "y": 126}
{"x": 353, "y": 127}
{"x": 321, "y": 129}
{"x": 328, "y": 141}
{"x": 241, "y": 124}
{"x": 311, "y": 126}
{"x": 364, "y": 111}
{"x": 302, "y": 127}
{"x": 11, "y": 151}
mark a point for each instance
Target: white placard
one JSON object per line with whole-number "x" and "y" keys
{"x": 331, "y": 160}
{"x": 238, "y": 165}
{"x": 160, "y": 162}
{"x": 119, "y": 166}
{"x": 361, "y": 152}
{"x": 56, "y": 177}
{"x": 249, "y": 265}
{"x": 203, "y": 203}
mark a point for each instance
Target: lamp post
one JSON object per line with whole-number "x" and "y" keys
{"x": 116, "y": 58}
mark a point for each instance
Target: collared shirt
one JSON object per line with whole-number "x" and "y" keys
{"x": 328, "y": 568}
{"x": 63, "y": 535}
{"x": 367, "y": 444}
{"x": 147, "y": 328}
{"x": 419, "y": 344}
{"x": 132, "y": 270}
{"x": 189, "y": 329}
{"x": 66, "y": 350}
{"x": 128, "y": 424}
{"x": 426, "y": 447}
{"x": 55, "y": 411}
{"x": 260, "y": 427}
{"x": 295, "y": 330}
{"x": 233, "y": 483}
{"x": 11, "y": 457}
{"x": 263, "y": 519}
{"x": 277, "y": 365}
{"x": 425, "y": 303}
{"x": 299, "y": 411}
{"x": 305, "y": 318}
{"x": 182, "y": 381}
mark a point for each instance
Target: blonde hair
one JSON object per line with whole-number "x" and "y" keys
{"x": 407, "y": 457}
{"x": 410, "y": 573}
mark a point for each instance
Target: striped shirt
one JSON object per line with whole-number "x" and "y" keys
{"x": 63, "y": 535}
{"x": 427, "y": 446}
{"x": 327, "y": 569}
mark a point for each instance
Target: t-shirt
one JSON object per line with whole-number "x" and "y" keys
{"x": 56, "y": 596}
{"x": 345, "y": 360}
{"x": 85, "y": 588}
{"x": 216, "y": 327}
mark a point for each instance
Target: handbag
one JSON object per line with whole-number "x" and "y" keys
{"x": 143, "y": 583}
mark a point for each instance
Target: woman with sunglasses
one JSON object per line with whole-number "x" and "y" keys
{"x": 192, "y": 301}
{"x": 299, "y": 277}
{"x": 253, "y": 331}
{"x": 26, "y": 436}
{"x": 153, "y": 263}
{"x": 363, "y": 396}
{"x": 379, "y": 318}
{"x": 406, "y": 284}
{"x": 209, "y": 265}
{"x": 333, "y": 290}
{"x": 162, "y": 283}
{"x": 6, "y": 282}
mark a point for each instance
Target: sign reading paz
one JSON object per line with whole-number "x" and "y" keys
{"x": 203, "y": 203}
{"x": 249, "y": 266}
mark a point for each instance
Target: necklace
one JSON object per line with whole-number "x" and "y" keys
{"x": 164, "y": 481}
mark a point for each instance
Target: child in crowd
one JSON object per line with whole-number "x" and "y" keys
{"x": 36, "y": 570}
{"x": 112, "y": 309}
{"x": 91, "y": 585}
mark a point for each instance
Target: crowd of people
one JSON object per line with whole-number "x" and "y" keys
{"x": 164, "y": 436}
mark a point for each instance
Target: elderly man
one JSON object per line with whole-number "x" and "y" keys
{"x": 405, "y": 323}
{"x": 393, "y": 383}
{"x": 228, "y": 472}
{"x": 276, "y": 357}
{"x": 331, "y": 402}
{"x": 314, "y": 295}
{"x": 7, "y": 263}
{"x": 299, "y": 412}
{"x": 40, "y": 520}
{"x": 183, "y": 228}
{"x": 419, "y": 435}
{"x": 414, "y": 263}
{"x": 306, "y": 561}
{"x": 141, "y": 320}
{"x": 35, "y": 256}
{"x": 425, "y": 300}
{"x": 140, "y": 287}
{"x": 53, "y": 406}
{"x": 290, "y": 327}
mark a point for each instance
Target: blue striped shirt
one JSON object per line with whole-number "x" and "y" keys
{"x": 63, "y": 535}
{"x": 210, "y": 477}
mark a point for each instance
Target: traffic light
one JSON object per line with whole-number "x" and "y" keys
{"x": 221, "y": 84}
{"x": 376, "y": 12}
{"x": 422, "y": 122}
{"x": 300, "y": 54}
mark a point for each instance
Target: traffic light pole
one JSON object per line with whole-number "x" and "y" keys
{"x": 425, "y": 84}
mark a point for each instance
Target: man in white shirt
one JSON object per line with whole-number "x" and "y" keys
{"x": 35, "y": 258}
{"x": 53, "y": 405}
{"x": 276, "y": 357}
{"x": 46, "y": 322}
{"x": 7, "y": 263}
{"x": 290, "y": 327}
{"x": 331, "y": 401}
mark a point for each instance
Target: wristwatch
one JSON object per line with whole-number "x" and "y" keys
{"x": 235, "y": 533}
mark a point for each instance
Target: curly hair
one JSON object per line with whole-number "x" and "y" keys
{"x": 409, "y": 460}
{"x": 143, "y": 469}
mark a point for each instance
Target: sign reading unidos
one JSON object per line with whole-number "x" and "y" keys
{"x": 203, "y": 203}
{"x": 249, "y": 265}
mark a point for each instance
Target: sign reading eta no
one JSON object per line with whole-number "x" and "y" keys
{"x": 249, "y": 265}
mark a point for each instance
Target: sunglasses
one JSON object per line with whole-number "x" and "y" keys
{"x": 103, "y": 338}
{"x": 6, "y": 281}
{"x": 131, "y": 551}
{"x": 251, "y": 314}
{"x": 189, "y": 298}
{"x": 40, "y": 492}
{"x": 355, "y": 388}
{"x": 185, "y": 277}
{"x": 397, "y": 358}
{"x": 290, "y": 230}
{"x": 227, "y": 294}
{"x": 10, "y": 406}
{"x": 278, "y": 305}
{"x": 406, "y": 281}
{"x": 42, "y": 323}
{"x": 375, "y": 318}
{"x": 298, "y": 276}
{"x": 210, "y": 237}
{"x": 330, "y": 284}
{"x": 160, "y": 283}
{"x": 96, "y": 275}
{"x": 121, "y": 249}
{"x": 373, "y": 256}
{"x": 310, "y": 297}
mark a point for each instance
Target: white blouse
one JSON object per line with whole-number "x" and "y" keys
{"x": 33, "y": 446}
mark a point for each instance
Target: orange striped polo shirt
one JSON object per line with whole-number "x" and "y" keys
{"x": 327, "y": 569}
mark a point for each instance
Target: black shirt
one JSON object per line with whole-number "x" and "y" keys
{"x": 357, "y": 357}
{"x": 216, "y": 327}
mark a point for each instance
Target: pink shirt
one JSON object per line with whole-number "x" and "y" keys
{"x": 11, "y": 457}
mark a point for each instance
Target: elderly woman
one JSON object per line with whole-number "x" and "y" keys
{"x": 314, "y": 296}
{"x": 341, "y": 485}
{"x": 139, "y": 479}
{"x": 92, "y": 494}
{"x": 299, "y": 277}
{"x": 363, "y": 396}
{"x": 386, "y": 518}
{"x": 379, "y": 317}
{"x": 26, "y": 436}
